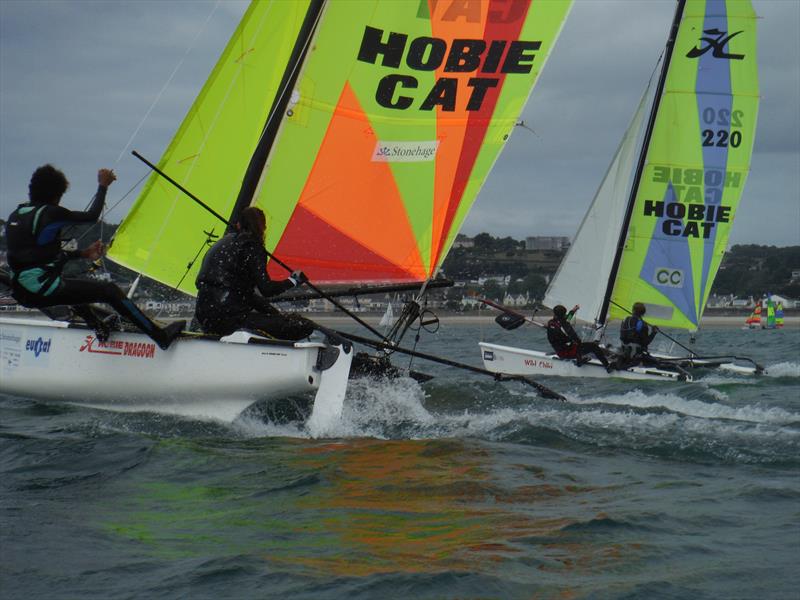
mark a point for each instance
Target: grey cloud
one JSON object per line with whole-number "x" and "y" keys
{"x": 76, "y": 78}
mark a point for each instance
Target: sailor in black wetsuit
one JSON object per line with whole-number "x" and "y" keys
{"x": 636, "y": 336}
{"x": 567, "y": 343}
{"x": 231, "y": 271}
{"x": 37, "y": 260}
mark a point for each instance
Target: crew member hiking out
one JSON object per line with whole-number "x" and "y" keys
{"x": 37, "y": 260}
{"x": 636, "y": 336}
{"x": 231, "y": 272}
{"x": 567, "y": 343}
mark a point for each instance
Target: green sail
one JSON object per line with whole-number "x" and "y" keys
{"x": 164, "y": 231}
{"x": 696, "y": 166}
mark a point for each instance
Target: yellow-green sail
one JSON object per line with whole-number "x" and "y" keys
{"x": 397, "y": 114}
{"x": 211, "y": 150}
{"x": 697, "y": 162}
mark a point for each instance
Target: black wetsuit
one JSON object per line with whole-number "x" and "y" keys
{"x": 37, "y": 261}
{"x": 227, "y": 300}
{"x": 568, "y": 344}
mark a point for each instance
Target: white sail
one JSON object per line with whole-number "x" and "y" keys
{"x": 388, "y": 317}
{"x": 583, "y": 275}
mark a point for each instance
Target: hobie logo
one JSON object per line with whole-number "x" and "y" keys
{"x": 118, "y": 348}
{"x": 668, "y": 277}
{"x": 716, "y": 44}
{"x": 38, "y": 346}
{"x": 405, "y": 151}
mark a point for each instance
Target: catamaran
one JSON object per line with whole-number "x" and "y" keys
{"x": 364, "y": 131}
{"x": 753, "y": 320}
{"x": 658, "y": 226}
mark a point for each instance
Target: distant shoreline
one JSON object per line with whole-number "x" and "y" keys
{"x": 484, "y": 317}
{"x": 790, "y": 322}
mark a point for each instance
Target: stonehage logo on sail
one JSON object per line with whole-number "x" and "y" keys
{"x": 405, "y": 151}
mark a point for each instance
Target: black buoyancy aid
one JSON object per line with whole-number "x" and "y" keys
{"x": 225, "y": 264}
{"x": 557, "y": 337}
{"x": 628, "y": 333}
{"x": 24, "y": 249}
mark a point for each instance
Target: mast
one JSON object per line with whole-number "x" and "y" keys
{"x": 265, "y": 143}
{"x": 623, "y": 234}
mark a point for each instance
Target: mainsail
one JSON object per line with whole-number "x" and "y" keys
{"x": 211, "y": 149}
{"x": 363, "y": 129}
{"x": 583, "y": 273}
{"x": 769, "y": 322}
{"x": 695, "y": 166}
{"x": 754, "y": 320}
{"x": 670, "y": 229}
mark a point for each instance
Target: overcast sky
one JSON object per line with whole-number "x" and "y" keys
{"x": 78, "y": 77}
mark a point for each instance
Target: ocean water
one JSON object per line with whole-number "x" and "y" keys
{"x": 458, "y": 488}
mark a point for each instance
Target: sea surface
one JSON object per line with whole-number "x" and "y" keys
{"x": 459, "y": 488}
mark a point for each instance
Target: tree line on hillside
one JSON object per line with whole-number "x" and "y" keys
{"x": 753, "y": 270}
{"x": 747, "y": 270}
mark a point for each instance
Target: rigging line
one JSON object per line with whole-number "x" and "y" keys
{"x": 522, "y": 124}
{"x": 207, "y": 131}
{"x": 661, "y": 331}
{"x": 210, "y": 237}
{"x": 147, "y": 115}
{"x": 117, "y": 203}
{"x": 169, "y": 81}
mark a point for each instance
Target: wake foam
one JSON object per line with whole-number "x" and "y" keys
{"x": 697, "y": 408}
{"x": 784, "y": 369}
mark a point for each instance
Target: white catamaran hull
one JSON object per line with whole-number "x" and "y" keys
{"x": 197, "y": 377}
{"x": 518, "y": 361}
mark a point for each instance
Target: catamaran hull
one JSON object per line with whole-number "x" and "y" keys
{"x": 196, "y": 377}
{"x": 519, "y": 361}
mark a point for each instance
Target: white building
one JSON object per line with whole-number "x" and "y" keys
{"x": 500, "y": 279}
{"x": 545, "y": 242}
{"x": 512, "y": 300}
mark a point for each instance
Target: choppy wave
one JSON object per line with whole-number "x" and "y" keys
{"x": 697, "y": 408}
{"x": 662, "y": 424}
{"x": 784, "y": 369}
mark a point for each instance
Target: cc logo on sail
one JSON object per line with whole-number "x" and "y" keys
{"x": 669, "y": 277}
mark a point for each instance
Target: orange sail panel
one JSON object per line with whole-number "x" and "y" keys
{"x": 362, "y": 246}
{"x": 397, "y": 116}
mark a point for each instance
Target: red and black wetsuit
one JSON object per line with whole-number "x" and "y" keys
{"x": 568, "y": 344}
